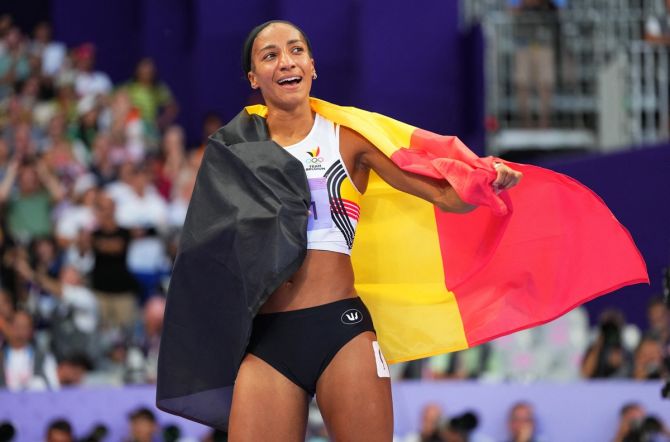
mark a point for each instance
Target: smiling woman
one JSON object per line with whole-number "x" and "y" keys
{"x": 262, "y": 296}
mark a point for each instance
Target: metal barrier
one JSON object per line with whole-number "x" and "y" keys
{"x": 649, "y": 81}
{"x": 600, "y": 62}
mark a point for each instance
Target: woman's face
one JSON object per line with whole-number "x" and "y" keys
{"x": 281, "y": 66}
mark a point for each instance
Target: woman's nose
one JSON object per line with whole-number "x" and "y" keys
{"x": 286, "y": 60}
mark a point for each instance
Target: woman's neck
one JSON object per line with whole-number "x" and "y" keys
{"x": 290, "y": 126}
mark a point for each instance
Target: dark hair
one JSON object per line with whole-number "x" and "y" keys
{"x": 249, "y": 42}
{"x": 60, "y": 425}
{"x": 142, "y": 413}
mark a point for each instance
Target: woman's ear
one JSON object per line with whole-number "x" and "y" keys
{"x": 252, "y": 80}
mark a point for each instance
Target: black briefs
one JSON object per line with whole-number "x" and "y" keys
{"x": 301, "y": 343}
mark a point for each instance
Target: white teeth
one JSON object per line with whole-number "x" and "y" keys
{"x": 284, "y": 80}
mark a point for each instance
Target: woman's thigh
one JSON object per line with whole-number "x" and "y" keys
{"x": 354, "y": 400}
{"x": 266, "y": 405}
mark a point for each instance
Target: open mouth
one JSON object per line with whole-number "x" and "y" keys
{"x": 289, "y": 81}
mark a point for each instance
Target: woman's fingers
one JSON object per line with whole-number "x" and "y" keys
{"x": 507, "y": 178}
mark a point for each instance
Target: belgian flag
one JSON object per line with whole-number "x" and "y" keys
{"x": 434, "y": 282}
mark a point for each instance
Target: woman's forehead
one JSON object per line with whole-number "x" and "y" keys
{"x": 278, "y": 34}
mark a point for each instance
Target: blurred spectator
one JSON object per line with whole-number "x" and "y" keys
{"x": 464, "y": 364}
{"x": 29, "y": 207}
{"x": 6, "y": 313}
{"x": 658, "y": 319}
{"x": 174, "y": 160}
{"x": 143, "y": 426}
{"x": 648, "y": 363}
{"x": 144, "y": 361}
{"x": 608, "y": 357}
{"x": 657, "y": 28}
{"x": 105, "y": 161}
{"x": 140, "y": 209}
{"x": 52, "y": 54}
{"x": 460, "y": 428}
{"x": 431, "y": 422}
{"x": 71, "y": 370}
{"x": 521, "y": 425}
{"x": 14, "y": 62}
{"x": 636, "y": 426}
{"x": 59, "y": 430}
{"x": 24, "y": 365}
{"x": 210, "y": 124}
{"x": 89, "y": 82}
{"x": 535, "y": 30}
{"x": 7, "y": 430}
{"x": 86, "y": 127}
{"x": 630, "y": 416}
{"x": 552, "y": 351}
{"x": 81, "y": 215}
{"x": 152, "y": 97}
{"x": 113, "y": 284}
{"x": 74, "y": 314}
{"x": 125, "y": 127}
{"x": 79, "y": 254}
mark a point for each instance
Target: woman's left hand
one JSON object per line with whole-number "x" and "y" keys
{"x": 506, "y": 178}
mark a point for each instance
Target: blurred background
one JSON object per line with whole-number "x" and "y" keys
{"x": 105, "y": 108}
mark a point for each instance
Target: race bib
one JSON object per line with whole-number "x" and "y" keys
{"x": 319, "y": 209}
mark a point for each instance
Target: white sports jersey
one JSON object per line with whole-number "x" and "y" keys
{"x": 334, "y": 207}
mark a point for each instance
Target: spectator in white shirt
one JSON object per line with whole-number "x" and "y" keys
{"x": 24, "y": 366}
{"x": 88, "y": 81}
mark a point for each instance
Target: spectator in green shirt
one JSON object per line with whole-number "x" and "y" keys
{"x": 28, "y": 206}
{"x": 151, "y": 97}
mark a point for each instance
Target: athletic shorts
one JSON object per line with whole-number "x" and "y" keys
{"x": 301, "y": 343}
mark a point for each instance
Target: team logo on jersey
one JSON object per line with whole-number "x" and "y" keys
{"x": 352, "y": 316}
{"x": 314, "y": 161}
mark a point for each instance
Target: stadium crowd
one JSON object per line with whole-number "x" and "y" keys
{"x": 95, "y": 180}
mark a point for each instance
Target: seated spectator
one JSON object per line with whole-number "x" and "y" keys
{"x": 152, "y": 97}
{"x": 648, "y": 363}
{"x": 636, "y": 426}
{"x": 74, "y": 317}
{"x": 72, "y": 370}
{"x": 521, "y": 425}
{"x": 51, "y": 53}
{"x": 143, "y": 426}
{"x": 460, "y": 428}
{"x": 608, "y": 357}
{"x": 87, "y": 80}
{"x": 431, "y": 425}
{"x": 25, "y": 366}
{"x": 148, "y": 337}
{"x": 14, "y": 61}
{"x": 59, "y": 430}
{"x": 658, "y": 319}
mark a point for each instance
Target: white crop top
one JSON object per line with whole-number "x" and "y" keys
{"x": 334, "y": 210}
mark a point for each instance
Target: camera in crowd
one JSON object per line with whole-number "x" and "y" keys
{"x": 644, "y": 430}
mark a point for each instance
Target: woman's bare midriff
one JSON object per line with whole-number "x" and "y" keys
{"x": 324, "y": 277}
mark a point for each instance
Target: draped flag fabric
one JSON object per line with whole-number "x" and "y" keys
{"x": 434, "y": 282}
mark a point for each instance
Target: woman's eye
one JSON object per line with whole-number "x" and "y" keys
{"x": 269, "y": 56}
{"x": 297, "y": 50}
